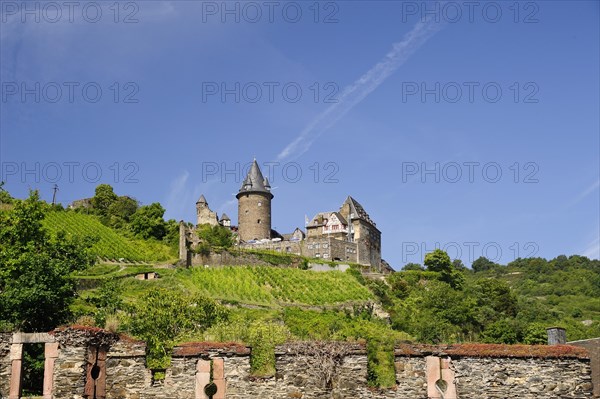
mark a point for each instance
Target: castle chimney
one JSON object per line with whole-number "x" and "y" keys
{"x": 556, "y": 336}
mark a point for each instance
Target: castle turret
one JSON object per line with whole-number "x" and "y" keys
{"x": 254, "y": 206}
{"x": 225, "y": 221}
{"x": 204, "y": 214}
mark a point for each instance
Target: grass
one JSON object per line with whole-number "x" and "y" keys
{"x": 258, "y": 285}
{"x": 111, "y": 244}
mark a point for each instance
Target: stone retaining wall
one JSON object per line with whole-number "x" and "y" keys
{"x": 113, "y": 366}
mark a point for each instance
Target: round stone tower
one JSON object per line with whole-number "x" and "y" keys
{"x": 254, "y": 206}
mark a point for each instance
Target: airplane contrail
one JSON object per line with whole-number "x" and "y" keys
{"x": 356, "y": 92}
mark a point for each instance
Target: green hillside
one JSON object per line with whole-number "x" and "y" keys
{"x": 111, "y": 244}
{"x": 259, "y": 285}
{"x": 265, "y": 306}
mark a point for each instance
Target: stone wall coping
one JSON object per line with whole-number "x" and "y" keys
{"x": 582, "y": 341}
{"x": 189, "y": 349}
{"x": 32, "y": 338}
{"x": 493, "y": 351}
{"x": 84, "y": 335}
{"x": 348, "y": 348}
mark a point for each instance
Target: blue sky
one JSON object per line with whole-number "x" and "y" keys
{"x": 474, "y": 130}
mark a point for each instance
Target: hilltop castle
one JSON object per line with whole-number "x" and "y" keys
{"x": 347, "y": 235}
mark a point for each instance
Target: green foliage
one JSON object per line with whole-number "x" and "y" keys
{"x": 269, "y": 285}
{"x": 147, "y": 222}
{"x": 5, "y": 197}
{"x": 263, "y": 337}
{"x": 336, "y": 325}
{"x": 171, "y": 237}
{"x": 110, "y": 243}
{"x": 504, "y": 304}
{"x": 398, "y": 285}
{"x": 413, "y": 266}
{"x": 108, "y": 300}
{"x": 483, "y": 264}
{"x": 503, "y": 331}
{"x": 103, "y": 200}
{"x": 276, "y": 258}
{"x": 439, "y": 261}
{"x": 33, "y": 370}
{"x": 215, "y": 236}
{"x": 35, "y": 288}
{"x": 120, "y": 212}
{"x": 160, "y": 316}
{"x": 535, "y": 334}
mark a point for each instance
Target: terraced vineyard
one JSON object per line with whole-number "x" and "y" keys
{"x": 269, "y": 285}
{"x": 111, "y": 244}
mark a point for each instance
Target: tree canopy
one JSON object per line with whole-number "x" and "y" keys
{"x": 35, "y": 284}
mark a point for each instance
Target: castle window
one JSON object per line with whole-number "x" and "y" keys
{"x": 246, "y": 211}
{"x": 258, "y": 221}
{"x": 259, "y": 203}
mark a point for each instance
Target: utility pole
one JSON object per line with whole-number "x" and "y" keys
{"x": 55, "y": 189}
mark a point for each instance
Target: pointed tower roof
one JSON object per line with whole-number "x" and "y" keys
{"x": 201, "y": 200}
{"x": 255, "y": 182}
{"x": 225, "y": 217}
{"x": 357, "y": 211}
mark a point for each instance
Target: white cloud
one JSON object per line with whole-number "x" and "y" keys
{"x": 178, "y": 198}
{"x": 361, "y": 88}
{"x": 593, "y": 249}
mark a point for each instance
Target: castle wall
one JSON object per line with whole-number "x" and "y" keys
{"x": 593, "y": 347}
{"x": 205, "y": 215}
{"x": 5, "y": 364}
{"x": 311, "y": 370}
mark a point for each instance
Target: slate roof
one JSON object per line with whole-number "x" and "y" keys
{"x": 225, "y": 217}
{"x": 201, "y": 200}
{"x": 358, "y": 210}
{"x": 326, "y": 215}
{"x": 255, "y": 181}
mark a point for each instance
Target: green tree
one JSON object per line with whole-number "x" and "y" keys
{"x": 215, "y": 236}
{"x": 5, "y": 197}
{"x": 147, "y": 222}
{"x": 458, "y": 264}
{"x": 35, "y": 287}
{"x": 108, "y": 300}
{"x": 160, "y": 316}
{"x": 121, "y": 210}
{"x": 172, "y": 236}
{"x": 398, "y": 285}
{"x": 496, "y": 294}
{"x": 413, "y": 266}
{"x": 482, "y": 264}
{"x": 503, "y": 331}
{"x": 439, "y": 261}
{"x": 102, "y": 200}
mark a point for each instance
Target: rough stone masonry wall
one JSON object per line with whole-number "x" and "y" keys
{"x": 5, "y": 364}
{"x": 522, "y": 378}
{"x": 500, "y": 371}
{"x": 478, "y": 371}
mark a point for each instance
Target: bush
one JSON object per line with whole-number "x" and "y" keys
{"x": 160, "y": 316}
